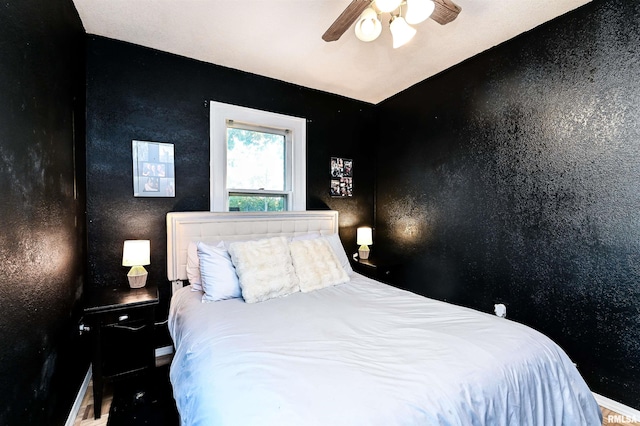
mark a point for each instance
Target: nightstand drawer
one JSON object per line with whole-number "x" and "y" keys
{"x": 124, "y": 318}
{"x": 127, "y": 341}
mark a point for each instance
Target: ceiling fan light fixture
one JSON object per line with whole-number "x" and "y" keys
{"x": 386, "y": 6}
{"x": 419, "y": 10}
{"x": 401, "y": 31}
{"x": 368, "y": 26}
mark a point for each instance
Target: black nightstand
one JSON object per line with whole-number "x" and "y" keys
{"x": 121, "y": 324}
{"x": 386, "y": 271}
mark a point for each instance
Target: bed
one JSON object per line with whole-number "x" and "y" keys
{"x": 349, "y": 353}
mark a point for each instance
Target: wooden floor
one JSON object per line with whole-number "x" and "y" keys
{"x": 85, "y": 415}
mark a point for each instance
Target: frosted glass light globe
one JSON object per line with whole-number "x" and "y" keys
{"x": 368, "y": 26}
{"x": 419, "y": 10}
{"x": 387, "y": 5}
{"x": 401, "y": 32}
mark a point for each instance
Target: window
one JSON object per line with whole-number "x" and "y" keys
{"x": 257, "y": 160}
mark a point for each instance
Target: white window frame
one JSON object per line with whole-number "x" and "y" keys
{"x": 220, "y": 113}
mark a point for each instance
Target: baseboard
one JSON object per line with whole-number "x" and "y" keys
{"x": 630, "y": 413}
{"x": 75, "y": 409}
{"x": 165, "y": 350}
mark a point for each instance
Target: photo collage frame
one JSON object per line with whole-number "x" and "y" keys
{"x": 153, "y": 169}
{"x": 341, "y": 177}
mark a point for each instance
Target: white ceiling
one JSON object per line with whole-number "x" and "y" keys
{"x": 281, "y": 39}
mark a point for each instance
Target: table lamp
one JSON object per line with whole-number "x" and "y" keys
{"x": 364, "y": 239}
{"x": 136, "y": 254}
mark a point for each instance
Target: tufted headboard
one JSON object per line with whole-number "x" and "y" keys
{"x": 184, "y": 227}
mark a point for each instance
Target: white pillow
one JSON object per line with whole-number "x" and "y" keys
{"x": 193, "y": 262}
{"x": 264, "y": 268}
{"x": 338, "y": 249}
{"x": 316, "y": 264}
{"x": 219, "y": 279}
{"x": 305, "y": 236}
{"x": 193, "y": 267}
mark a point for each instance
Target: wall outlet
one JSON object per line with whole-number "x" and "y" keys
{"x": 500, "y": 310}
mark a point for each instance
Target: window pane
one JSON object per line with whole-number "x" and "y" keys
{"x": 257, "y": 203}
{"x": 255, "y": 160}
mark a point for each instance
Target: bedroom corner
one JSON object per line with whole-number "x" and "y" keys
{"x": 41, "y": 210}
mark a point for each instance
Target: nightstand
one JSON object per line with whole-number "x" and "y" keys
{"x": 384, "y": 270}
{"x": 121, "y": 323}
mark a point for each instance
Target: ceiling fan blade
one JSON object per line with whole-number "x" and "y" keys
{"x": 445, "y": 11}
{"x": 346, "y": 18}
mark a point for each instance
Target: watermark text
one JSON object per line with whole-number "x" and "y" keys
{"x": 619, "y": 418}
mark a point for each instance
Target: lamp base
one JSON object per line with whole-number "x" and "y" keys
{"x": 363, "y": 252}
{"x": 137, "y": 277}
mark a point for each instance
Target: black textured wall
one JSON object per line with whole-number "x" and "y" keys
{"x": 41, "y": 210}
{"x": 143, "y": 94}
{"x": 515, "y": 178}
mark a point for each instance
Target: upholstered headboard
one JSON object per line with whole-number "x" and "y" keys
{"x": 184, "y": 227}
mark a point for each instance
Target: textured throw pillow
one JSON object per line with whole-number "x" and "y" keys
{"x": 316, "y": 264}
{"x": 193, "y": 267}
{"x": 264, "y": 268}
{"x": 219, "y": 279}
{"x": 338, "y": 249}
{"x": 310, "y": 236}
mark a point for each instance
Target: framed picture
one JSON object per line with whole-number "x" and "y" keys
{"x": 153, "y": 169}
{"x": 341, "y": 177}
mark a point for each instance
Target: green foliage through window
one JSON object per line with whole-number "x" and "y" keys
{"x": 255, "y": 160}
{"x": 256, "y": 203}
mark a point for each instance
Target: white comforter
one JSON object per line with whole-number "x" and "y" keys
{"x": 364, "y": 353}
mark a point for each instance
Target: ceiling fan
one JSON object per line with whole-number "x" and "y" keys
{"x": 363, "y": 11}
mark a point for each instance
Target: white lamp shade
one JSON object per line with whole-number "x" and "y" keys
{"x": 136, "y": 253}
{"x": 401, "y": 31}
{"x": 419, "y": 10}
{"x": 387, "y": 5}
{"x": 364, "y": 237}
{"x": 368, "y": 26}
